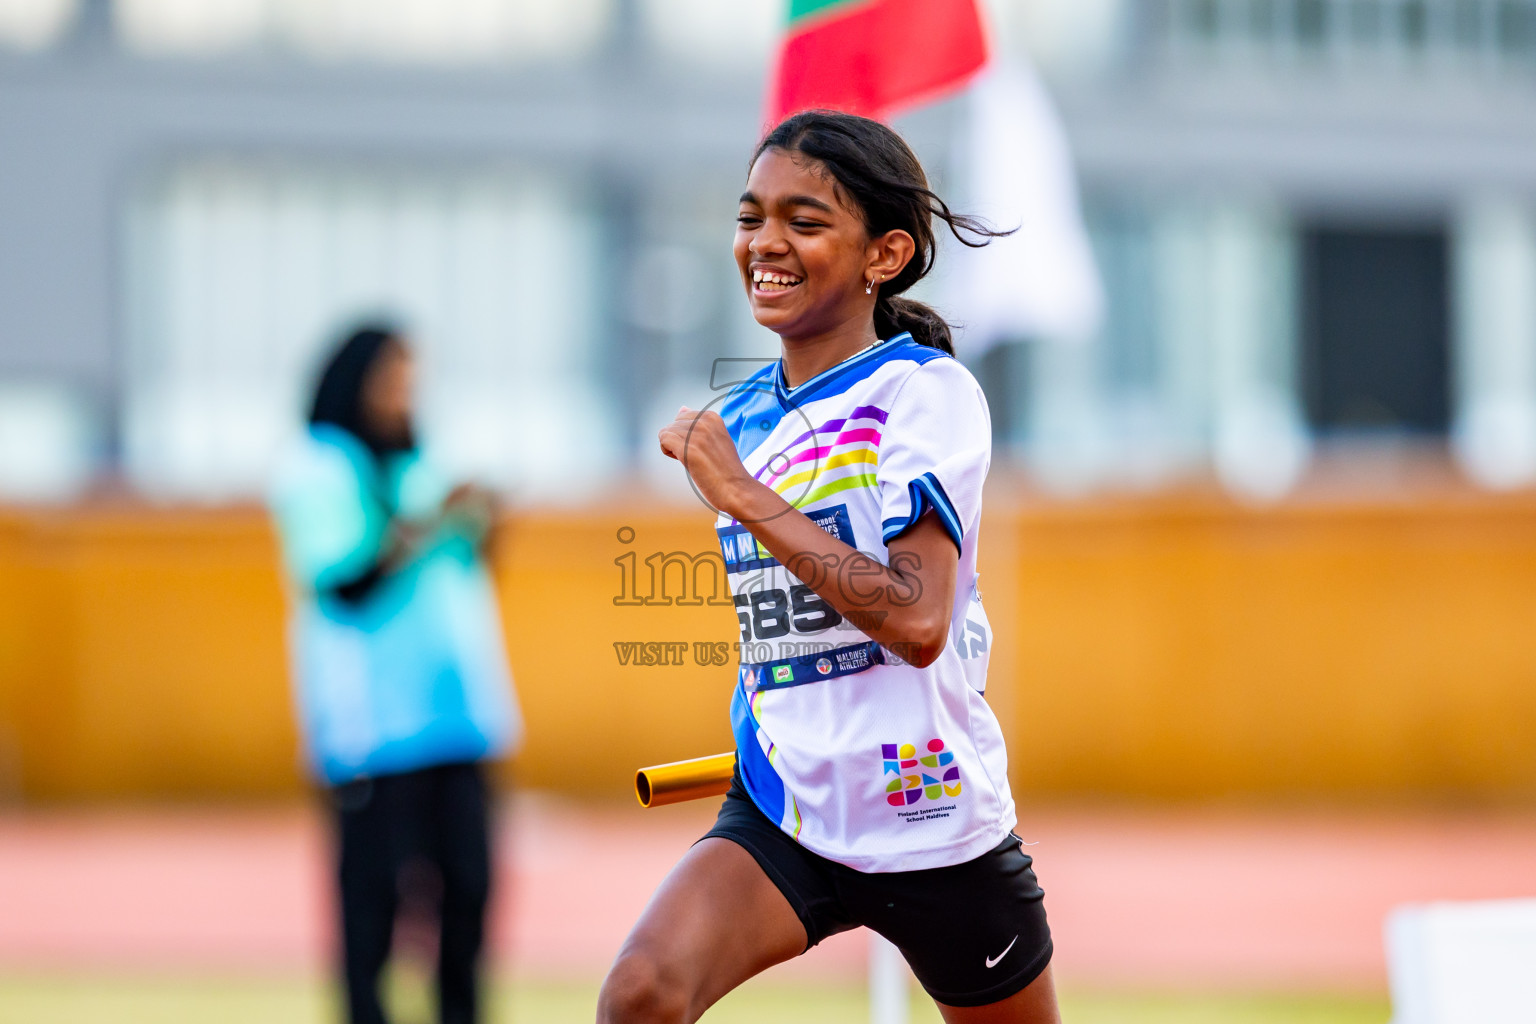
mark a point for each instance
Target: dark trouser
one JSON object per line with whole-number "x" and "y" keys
{"x": 390, "y": 827}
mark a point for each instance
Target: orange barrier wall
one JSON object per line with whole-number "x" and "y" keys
{"x": 1159, "y": 648}
{"x": 1193, "y": 651}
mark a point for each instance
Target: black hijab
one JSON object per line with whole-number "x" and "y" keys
{"x": 339, "y": 395}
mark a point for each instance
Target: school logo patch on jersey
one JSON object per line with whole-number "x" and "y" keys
{"x": 934, "y": 775}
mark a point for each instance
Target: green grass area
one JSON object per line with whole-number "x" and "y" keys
{"x": 68, "y": 999}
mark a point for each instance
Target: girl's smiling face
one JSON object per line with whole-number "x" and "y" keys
{"x": 804, "y": 256}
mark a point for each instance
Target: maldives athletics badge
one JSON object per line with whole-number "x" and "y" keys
{"x": 934, "y": 775}
{"x": 824, "y": 666}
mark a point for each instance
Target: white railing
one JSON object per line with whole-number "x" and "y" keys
{"x": 1494, "y": 34}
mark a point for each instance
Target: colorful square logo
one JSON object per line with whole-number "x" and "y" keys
{"x": 931, "y": 776}
{"x": 783, "y": 674}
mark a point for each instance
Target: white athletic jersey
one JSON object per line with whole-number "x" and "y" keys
{"x": 861, "y": 757}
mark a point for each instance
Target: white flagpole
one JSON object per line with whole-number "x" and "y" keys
{"x": 888, "y": 973}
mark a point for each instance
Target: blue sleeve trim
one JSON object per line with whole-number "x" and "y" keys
{"x": 927, "y": 493}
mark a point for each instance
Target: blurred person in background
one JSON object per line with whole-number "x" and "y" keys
{"x": 401, "y": 674}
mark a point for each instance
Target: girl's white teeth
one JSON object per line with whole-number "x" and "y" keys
{"x": 765, "y": 277}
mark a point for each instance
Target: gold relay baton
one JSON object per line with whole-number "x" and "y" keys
{"x": 685, "y": 780}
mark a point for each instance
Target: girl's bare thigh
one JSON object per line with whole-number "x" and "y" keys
{"x": 715, "y": 921}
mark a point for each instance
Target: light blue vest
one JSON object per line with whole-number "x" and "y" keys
{"x": 416, "y": 673}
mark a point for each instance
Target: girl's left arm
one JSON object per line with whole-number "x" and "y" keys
{"x": 905, "y": 606}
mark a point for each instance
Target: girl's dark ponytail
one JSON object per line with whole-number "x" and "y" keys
{"x": 894, "y": 314}
{"x": 882, "y": 177}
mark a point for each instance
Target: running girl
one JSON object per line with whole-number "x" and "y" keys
{"x": 872, "y": 784}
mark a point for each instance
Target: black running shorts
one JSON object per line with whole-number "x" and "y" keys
{"x": 973, "y": 933}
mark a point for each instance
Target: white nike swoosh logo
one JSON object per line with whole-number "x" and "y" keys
{"x": 994, "y": 961}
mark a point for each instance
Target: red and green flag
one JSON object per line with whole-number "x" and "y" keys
{"x": 873, "y": 57}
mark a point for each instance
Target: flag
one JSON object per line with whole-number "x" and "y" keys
{"x": 1014, "y": 169}
{"x": 873, "y": 57}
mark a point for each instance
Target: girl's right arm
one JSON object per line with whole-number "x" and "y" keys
{"x": 904, "y": 606}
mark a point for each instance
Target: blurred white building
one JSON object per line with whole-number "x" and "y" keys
{"x": 1315, "y": 222}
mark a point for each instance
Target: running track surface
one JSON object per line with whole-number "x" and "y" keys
{"x": 1166, "y": 899}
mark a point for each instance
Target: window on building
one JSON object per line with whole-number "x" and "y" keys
{"x": 241, "y": 276}
{"x": 1375, "y": 329}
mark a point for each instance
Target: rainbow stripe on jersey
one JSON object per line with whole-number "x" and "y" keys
{"x": 838, "y": 455}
